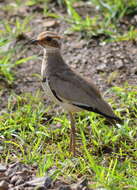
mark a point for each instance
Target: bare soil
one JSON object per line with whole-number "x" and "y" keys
{"x": 106, "y": 64}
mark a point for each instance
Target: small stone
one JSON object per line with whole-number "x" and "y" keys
{"x": 78, "y": 45}
{"x": 40, "y": 188}
{"x": 64, "y": 187}
{"x": 37, "y": 182}
{"x": 30, "y": 188}
{"x": 135, "y": 17}
{"x": 15, "y": 168}
{"x": 81, "y": 185}
{"x": 14, "y": 179}
{"x": 1, "y": 147}
{"x": 119, "y": 63}
{"x": 101, "y": 67}
{"x": 11, "y": 186}
{"x": 4, "y": 185}
{"x": 2, "y": 168}
{"x": 19, "y": 181}
{"x": 50, "y": 23}
{"x": 48, "y": 182}
{"x": 134, "y": 70}
{"x": 83, "y": 182}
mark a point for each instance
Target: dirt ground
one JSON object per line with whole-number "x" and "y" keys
{"x": 106, "y": 64}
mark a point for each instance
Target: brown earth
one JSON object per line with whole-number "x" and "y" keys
{"x": 107, "y": 64}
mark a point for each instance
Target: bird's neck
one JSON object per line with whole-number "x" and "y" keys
{"x": 53, "y": 50}
{"x": 52, "y": 62}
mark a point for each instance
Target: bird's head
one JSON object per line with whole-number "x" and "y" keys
{"x": 48, "y": 40}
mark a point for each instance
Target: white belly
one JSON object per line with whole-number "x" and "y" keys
{"x": 66, "y": 105}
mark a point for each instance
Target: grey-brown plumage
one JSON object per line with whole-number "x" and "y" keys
{"x": 72, "y": 88}
{"x": 66, "y": 87}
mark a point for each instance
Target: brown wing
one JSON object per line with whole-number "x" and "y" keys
{"x": 71, "y": 87}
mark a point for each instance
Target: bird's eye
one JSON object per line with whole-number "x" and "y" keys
{"x": 48, "y": 38}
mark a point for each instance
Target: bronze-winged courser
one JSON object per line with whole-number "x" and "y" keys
{"x": 66, "y": 87}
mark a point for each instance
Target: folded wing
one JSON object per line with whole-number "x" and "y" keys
{"x": 75, "y": 90}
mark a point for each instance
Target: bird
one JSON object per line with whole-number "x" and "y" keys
{"x": 66, "y": 87}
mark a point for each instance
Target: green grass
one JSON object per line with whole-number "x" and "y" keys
{"x": 12, "y": 53}
{"x": 106, "y": 153}
{"x": 9, "y": 56}
{"x": 8, "y": 61}
{"x": 106, "y": 21}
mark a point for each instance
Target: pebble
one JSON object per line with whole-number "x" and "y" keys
{"x": 101, "y": 67}
{"x": 81, "y": 185}
{"x": 48, "y": 182}
{"x": 41, "y": 181}
{"x": 19, "y": 181}
{"x": 119, "y": 64}
{"x": 1, "y": 147}
{"x": 64, "y": 187}
{"x": 14, "y": 179}
{"x": 2, "y": 168}
{"x": 83, "y": 182}
{"x": 4, "y": 185}
{"x": 41, "y": 188}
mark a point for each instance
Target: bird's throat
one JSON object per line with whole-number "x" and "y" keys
{"x": 52, "y": 62}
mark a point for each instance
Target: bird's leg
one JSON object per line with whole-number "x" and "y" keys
{"x": 72, "y": 135}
